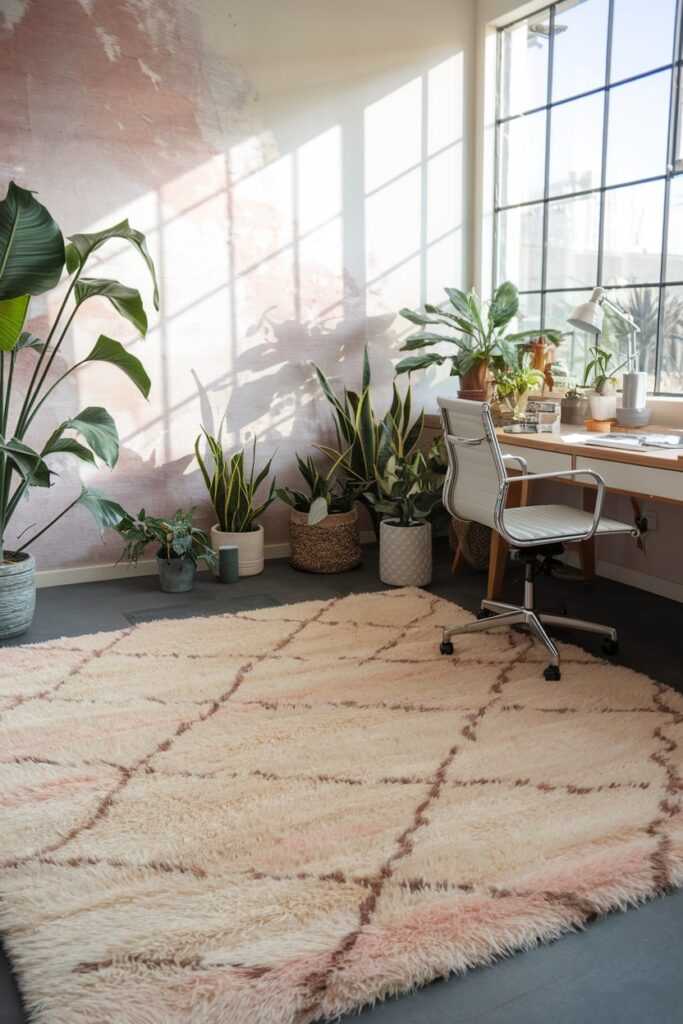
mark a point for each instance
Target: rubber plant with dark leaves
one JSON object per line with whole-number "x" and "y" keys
{"x": 33, "y": 256}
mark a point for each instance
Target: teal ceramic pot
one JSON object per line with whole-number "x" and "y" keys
{"x": 17, "y": 593}
{"x": 177, "y": 575}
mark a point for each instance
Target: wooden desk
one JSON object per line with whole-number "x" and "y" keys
{"x": 639, "y": 474}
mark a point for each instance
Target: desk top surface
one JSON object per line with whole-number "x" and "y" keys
{"x": 568, "y": 441}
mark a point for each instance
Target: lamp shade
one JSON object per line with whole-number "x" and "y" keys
{"x": 588, "y": 316}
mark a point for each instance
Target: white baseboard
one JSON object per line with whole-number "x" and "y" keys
{"x": 145, "y": 567}
{"x": 632, "y": 577}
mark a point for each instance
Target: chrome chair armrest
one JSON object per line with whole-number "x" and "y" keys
{"x": 499, "y": 510}
{"x": 516, "y": 458}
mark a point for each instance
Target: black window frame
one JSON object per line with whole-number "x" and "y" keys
{"x": 674, "y": 165}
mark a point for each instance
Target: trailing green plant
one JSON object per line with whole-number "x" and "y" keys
{"x": 598, "y": 372}
{"x": 32, "y": 258}
{"x": 408, "y": 491}
{"x": 512, "y": 382}
{"x": 478, "y": 331}
{"x": 232, "y": 490}
{"x": 326, "y": 492}
{"x": 365, "y": 441}
{"x": 175, "y": 535}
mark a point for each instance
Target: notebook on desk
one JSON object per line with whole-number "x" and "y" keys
{"x": 635, "y": 442}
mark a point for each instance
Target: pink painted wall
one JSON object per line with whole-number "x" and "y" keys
{"x": 299, "y": 170}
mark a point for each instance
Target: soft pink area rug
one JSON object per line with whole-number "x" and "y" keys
{"x": 278, "y": 816}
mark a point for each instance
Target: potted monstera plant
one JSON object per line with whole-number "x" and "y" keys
{"x": 478, "y": 334}
{"x": 32, "y": 259}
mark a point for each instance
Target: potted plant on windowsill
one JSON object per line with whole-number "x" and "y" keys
{"x": 574, "y": 407}
{"x": 408, "y": 492}
{"x": 602, "y": 379}
{"x": 32, "y": 258}
{"x": 479, "y": 336}
{"x": 180, "y": 546}
{"x": 233, "y": 496}
{"x": 323, "y": 525}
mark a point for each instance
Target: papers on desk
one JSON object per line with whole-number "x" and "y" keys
{"x": 629, "y": 442}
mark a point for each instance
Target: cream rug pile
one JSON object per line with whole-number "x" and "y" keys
{"x": 280, "y": 815}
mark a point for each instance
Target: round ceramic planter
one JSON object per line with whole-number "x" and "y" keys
{"x": 332, "y": 545}
{"x": 176, "y": 575}
{"x": 17, "y": 593}
{"x": 575, "y": 411}
{"x": 249, "y": 549}
{"x": 405, "y": 554}
{"x": 603, "y": 407}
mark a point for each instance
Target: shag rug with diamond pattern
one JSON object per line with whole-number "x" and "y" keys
{"x": 281, "y": 815}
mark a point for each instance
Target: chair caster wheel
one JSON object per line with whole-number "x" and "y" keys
{"x": 446, "y": 647}
{"x": 552, "y": 673}
{"x": 484, "y": 613}
{"x": 610, "y": 647}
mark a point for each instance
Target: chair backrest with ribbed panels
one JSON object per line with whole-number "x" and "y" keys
{"x": 475, "y": 466}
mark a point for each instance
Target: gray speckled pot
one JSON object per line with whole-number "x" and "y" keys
{"x": 17, "y": 593}
{"x": 176, "y": 576}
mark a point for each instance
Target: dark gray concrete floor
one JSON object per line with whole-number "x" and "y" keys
{"x": 623, "y": 969}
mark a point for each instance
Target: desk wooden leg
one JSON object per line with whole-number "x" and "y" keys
{"x": 587, "y": 547}
{"x": 498, "y": 556}
{"x": 518, "y": 495}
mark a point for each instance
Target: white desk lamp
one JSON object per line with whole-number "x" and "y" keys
{"x": 589, "y": 317}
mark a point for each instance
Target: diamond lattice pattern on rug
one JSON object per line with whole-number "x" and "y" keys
{"x": 277, "y": 816}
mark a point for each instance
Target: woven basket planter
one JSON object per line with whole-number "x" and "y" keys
{"x": 332, "y": 545}
{"x": 473, "y": 539}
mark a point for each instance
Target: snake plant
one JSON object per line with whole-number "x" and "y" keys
{"x": 232, "y": 491}
{"x": 32, "y": 258}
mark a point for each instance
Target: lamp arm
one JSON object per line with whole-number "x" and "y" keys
{"x": 616, "y": 308}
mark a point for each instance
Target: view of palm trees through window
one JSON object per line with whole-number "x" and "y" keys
{"x": 589, "y": 182}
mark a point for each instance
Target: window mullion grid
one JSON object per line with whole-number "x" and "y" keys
{"x": 670, "y": 161}
{"x": 605, "y": 129}
{"x": 496, "y": 164}
{"x": 546, "y": 178}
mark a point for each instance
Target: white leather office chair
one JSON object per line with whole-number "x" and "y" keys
{"x": 476, "y": 489}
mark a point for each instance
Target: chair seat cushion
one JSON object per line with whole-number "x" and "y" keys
{"x": 535, "y": 523}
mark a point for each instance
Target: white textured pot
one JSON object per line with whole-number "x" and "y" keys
{"x": 17, "y": 593}
{"x": 603, "y": 407}
{"x": 405, "y": 554}
{"x": 249, "y": 549}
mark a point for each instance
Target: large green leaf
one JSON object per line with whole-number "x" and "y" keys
{"x": 81, "y": 246}
{"x": 96, "y": 427}
{"x": 125, "y": 300}
{"x": 12, "y": 316}
{"x": 107, "y": 350}
{"x": 504, "y": 304}
{"x": 105, "y": 512}
{"x": 411, "y": 363}
{"x": 26, "y": 461}
{"x": 31, "y": 246}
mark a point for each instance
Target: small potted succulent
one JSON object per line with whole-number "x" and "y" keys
{"x": 602, "y": 379}
{"x": 180, "y": 546}
{"x": 233, "y": 495}
{"x": 574, "y": 407}
{"x": 408, "y": 492}
{"x": 323, "y": 525}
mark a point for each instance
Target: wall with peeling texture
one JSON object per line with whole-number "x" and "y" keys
{"x": 299, "y": 169}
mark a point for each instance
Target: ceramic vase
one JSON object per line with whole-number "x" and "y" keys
{"x": 249, "y": 548}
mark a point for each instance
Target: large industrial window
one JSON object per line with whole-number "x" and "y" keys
{"x": 589, "y": 179}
